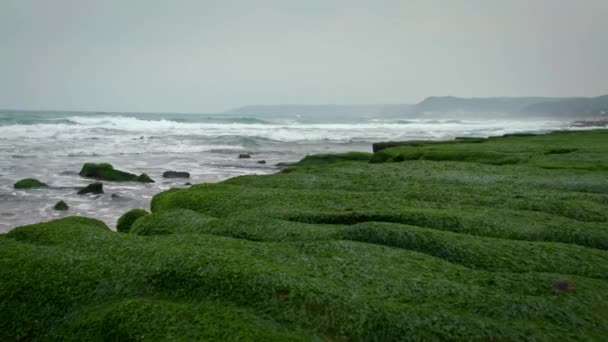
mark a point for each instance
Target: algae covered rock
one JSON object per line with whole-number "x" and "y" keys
{"x": 105, "y": 171}
{"x": 29, "y": 183}
{"x": 324, "y": 159}
{"x": 176, "y": 174}
{"x": 125, "y": 222}
{"x": 61, "y": 206}
{"x": 176, "y": 221}
{"x": 144, "y": 178}
{"x": 93, "y": 188}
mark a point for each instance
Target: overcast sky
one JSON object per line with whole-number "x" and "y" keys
{"x": 208, "y": 56}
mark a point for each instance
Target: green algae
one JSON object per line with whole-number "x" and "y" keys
{"x": 455, "y": 247}
{"x": 29, "y": 183}
{"x": 125, "y": 222}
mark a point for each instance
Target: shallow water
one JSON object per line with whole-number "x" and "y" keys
{"x": 53, "y": 146}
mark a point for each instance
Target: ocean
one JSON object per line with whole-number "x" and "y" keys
{"x": 53, "y": 146}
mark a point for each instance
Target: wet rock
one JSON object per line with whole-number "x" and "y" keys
{"x": 261, "y": 162}
{"x": 176, "y": 174}
{"x": 105, "y": 171}
{"x": 144, "y": 178}
{"x": 61, "y": 206}
{"x": 244, "y": 155}
{"x": 188, "y": 183}
{"x": 29, "y": 183}
{"x": 93, "y": 188}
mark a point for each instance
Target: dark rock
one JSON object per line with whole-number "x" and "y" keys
{"x": 105, "y": 171}
{"x": 125, "y": 222}
{"x": 244, "y": 155}
{"x": 29, "y": 183}
{"x": 284, "y": 165}
{"x": 61, "y": 206}
{"x": 188, "y": 183}
{"x": 93, "y": 188}
{"x": 144, "y": 178}
{"x": 176, "y": 174}
{"x": 261, "y": 162}
{"x": 563, "y": 286}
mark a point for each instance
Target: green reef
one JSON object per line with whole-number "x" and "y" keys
{"x": 127, "y": 219}
{"x": 29, "y": 183}
{"x": 105, "y": 171}
{"x": 472, "y": 239}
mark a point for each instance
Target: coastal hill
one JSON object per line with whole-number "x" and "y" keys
{"x": 448, "y": 106}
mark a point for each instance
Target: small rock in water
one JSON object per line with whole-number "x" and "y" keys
{"x": 244, "y": 155}
{"x": 93, "y": 188}
{"x": 68, "y": 173}
{"x": 144, "y": 178}
{"x": 176, "y": 174}
{"x": 61, "y": 206}
{"x": 261, "y": 162}
{"x": 188, "y": 183}
{"x": 29, "y": 183}
{"x": 105, "y": 171}
{"x": 114, "y": 196}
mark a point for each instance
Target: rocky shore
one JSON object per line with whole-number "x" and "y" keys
{"x": 498, "y": 239}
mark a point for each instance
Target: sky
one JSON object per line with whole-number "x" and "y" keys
{"x": 209, "y": 56}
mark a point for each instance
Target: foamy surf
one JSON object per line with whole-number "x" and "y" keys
{"x": 53, "y": 146}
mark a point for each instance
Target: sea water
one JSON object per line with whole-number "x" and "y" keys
{"x": 53, "y": 146}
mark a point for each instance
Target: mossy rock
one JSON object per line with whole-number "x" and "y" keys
{"x": 144, "y": 178}
{"x": 324, "y": 159}
{"x": 125, "y": 222}
{"x": 105, "y": 171}
{"x": 93, "y": 188}
{"x": 29, "y": 183}
{"x": 176, "y": 174}
{"x": 61, "y": 206}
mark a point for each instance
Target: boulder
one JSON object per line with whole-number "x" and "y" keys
{"x": 261, "y": 162}
{"x": 244, "y": 155}
{"x": 105, "y": 171}
{"x": 29, "y": 183}
{"x": 127, "y": 219}
{"x": 61, "y": 206}
{"x": 176, "y": 174}
{"x": 93, "y": 188}
{"x": 144, "y": 178}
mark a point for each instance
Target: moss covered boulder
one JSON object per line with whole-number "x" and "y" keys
{"x": 176, "y": 174}
{"x": 125, "y": 222}
{"x": 105, "y": 171}
{"x": 93, "y": 188}
{"x": 61, "y": 206}
{"x": 29, "y": 183}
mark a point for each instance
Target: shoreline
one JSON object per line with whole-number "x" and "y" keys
{"x": 357, "y": 245}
